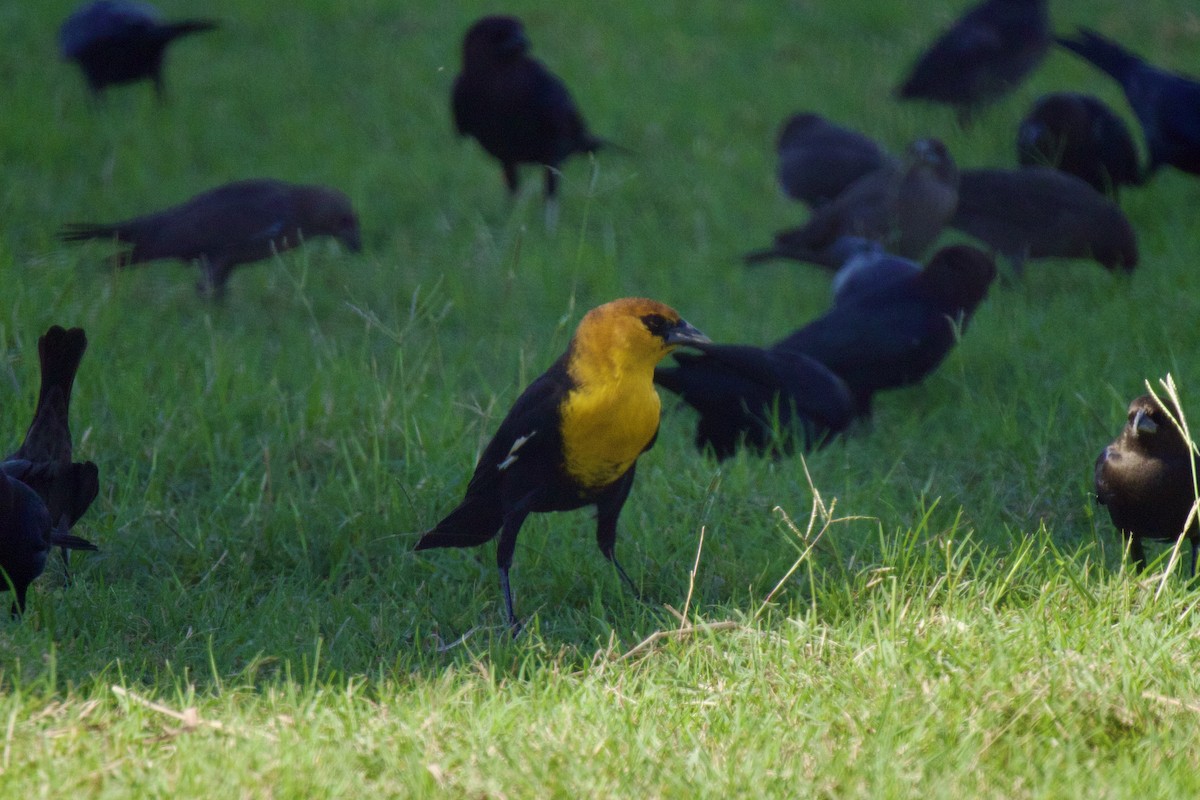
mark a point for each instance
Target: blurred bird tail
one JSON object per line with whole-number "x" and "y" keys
{"x": 475, "y": 521}
{"x": 82, "y": 231}
{"x": 759, "y": 256}
{"x": 1102, "y": 52}
{"x": 59, "y": 351}
{"x": 669, "y": 378}
{"x": 176, "y": 29}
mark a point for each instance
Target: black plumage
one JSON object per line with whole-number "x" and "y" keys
{"x": 1080, "y": 135}
{"x": 234, "y": 224}
{"x": 519, "y": 111}
{"x": 818, "y": 159}
{"x": 118, "y": 41}
{"x": 1166, "y": 105}
{"x": 894, "y": 331}
{"x": 1146, "y": 479}
{"x": 982, "y": 56}
{"x": 26, "y": 537}
{"x": 1038, "y": 212}
{"x": 771, "y": 400}
{"x": 44, "y": 461}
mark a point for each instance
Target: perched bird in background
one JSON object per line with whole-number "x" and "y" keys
{"x": 26, "y": 537}
{"x": 44, "y": 459}
{"x": 768, "y": 399}
{"x": 1080, "y": 135}
{"x": 519, "y": 111}
{"x": 1167, "y": 105}
{"x": 983, "y": 56}
{"x": 1146, "y": 479}
{"x": 1038, "y": 212}
{"x": 819, "y": 159}
{"x": 574, "y": 435}
{"x": 230, "y": 225}
{"x": 893, "y": 333}
{"x": 902, "y": 207}
{"x": 117, "y": 41}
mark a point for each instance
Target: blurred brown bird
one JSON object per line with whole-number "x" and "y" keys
{"x": 44, "y": 459}
{"x": 981, "y": 57}
{"x": 230, "y": 225}
{"x": 1080, "y": 135}
{"x": 1038, "y": 212}
{"x": 902, "y": 207}
{"x": 1146, "y": 479}
{"x": 819, "y": 159}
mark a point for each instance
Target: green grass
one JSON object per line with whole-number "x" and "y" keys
{"x": 956, "y": 622}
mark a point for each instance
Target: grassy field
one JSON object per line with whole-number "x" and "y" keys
{"x": 933, "y": 607}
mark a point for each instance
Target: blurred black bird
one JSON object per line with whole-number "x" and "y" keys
{"x": 519, "y": 111}
{"x": 26, "y": 537}
{"x": 771, "y": 400}
{"x": 819, "y": 159}
{"x": 117, "y": 41}
{"x": 1146, "y": 479}
{"x": 574, "y": 435}
{"x": 44, "y": 459}
{"x": 230, "y": 225}
{"x": 1167, "y": 105}
{"x": 1080, "y": 135}
{"x": 1038, "y": 212}
{"x": 903, "y": 207}
{"x": 983, "y": 55}
{"x": 881, "y": 334}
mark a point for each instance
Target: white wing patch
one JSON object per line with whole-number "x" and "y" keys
{"x": 511, "y": 458}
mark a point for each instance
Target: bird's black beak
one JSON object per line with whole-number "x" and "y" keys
{"x": 1143, "y": 423}
{"x": 684, "y": 333}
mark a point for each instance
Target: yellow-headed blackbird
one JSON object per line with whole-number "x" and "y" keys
{"x": 574, "y": 435}
{"x": 1145, "y": 478}
{"x": 43, "y": 461}
{"x": 233, "y": 224}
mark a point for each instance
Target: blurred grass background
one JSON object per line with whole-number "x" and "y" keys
{"x": 268, "y": 463}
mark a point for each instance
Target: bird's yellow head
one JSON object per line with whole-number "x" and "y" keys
{"x": 631, "y": 334}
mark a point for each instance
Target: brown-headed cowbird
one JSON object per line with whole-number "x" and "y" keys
{"x": 1146, "y": 479}
{"x": 1167, "y": 105}
{"x": 819, "y": 159}
{"x": 1038, "y": 212}
{"x": 984, "y": 55}
{"x": 117, "y": 41}
{"x": 230, "y": 225}
{"x": 1080, "y": 135}
{"x": 26, "y": 537}
{"x": 771, "y": 400}
{"x": 44, "y": 459}
{"x": 519, "y": 111}
{"x": 893, "y": 332}
{"x": 574, "y": 435}
{"x": 903, "y": 207}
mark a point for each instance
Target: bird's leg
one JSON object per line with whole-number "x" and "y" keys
{"x": 504, "y": 557}
{"x": 64, "y": 527}
{"x": 607, "y": 512}
{"x": 551, "y": 209}
{"x": 1137, "y": 553}
{"x": 510, "y": 179}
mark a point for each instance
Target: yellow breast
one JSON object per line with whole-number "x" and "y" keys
{"x": 606, "y": 427}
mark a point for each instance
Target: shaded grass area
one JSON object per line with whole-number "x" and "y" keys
{"x": 965, "y": 627}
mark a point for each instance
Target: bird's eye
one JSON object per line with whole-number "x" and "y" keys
{"x": 657, "y": 324}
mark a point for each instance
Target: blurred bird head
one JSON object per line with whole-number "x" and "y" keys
{"x": 959, "y": 277}
{"x": 492, "y": 39}
{"x": 1152, "y": 429}
{"x": 932, "y": 155}
{"x": 631, "y": 333}
{"x": 328, "y": 212}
